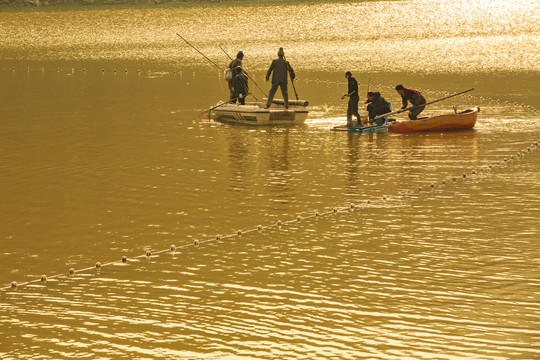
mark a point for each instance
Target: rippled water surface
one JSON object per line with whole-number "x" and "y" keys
{"x": 104, "y": 155}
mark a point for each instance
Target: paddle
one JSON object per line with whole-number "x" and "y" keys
{"x": 422, "y": 105}
{"x": 244, "y": 72}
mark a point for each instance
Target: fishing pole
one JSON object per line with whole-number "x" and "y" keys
{"x": 421, "y": 105}
{"x": 187, "y": 42}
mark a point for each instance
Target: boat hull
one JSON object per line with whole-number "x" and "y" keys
{"x": 256, "y": 114}
{"x": 446, "y": 122}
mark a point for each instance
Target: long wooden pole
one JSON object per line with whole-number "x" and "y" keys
{"x": 187, "y": 42}
{"x": 292, "y": 80}
{"x": 244, "y": 72}
{"x": 422, "y": 105}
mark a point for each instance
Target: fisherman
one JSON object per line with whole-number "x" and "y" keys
{"x": 280, "y": 67}
{"x": 414, "y": 97}
{"x": 236, "y": 68}
{"x": 241, "y": 87}
{"x": 354, "y": 98}
{"x": 377, "y": 105}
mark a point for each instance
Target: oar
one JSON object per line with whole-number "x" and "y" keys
{"x": 244, "y": 72}
{"x": 421, "y": 105}
{"x": 187, "y": 42}
{"x": 292, "y": 80}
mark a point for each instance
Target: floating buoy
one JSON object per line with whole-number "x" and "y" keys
{"x": 369, "y": 201}
{"x": 490, "y": 166}
{"x": 239, "y": 232}
{"x": 218, "y": 237}
{"x": 399, "y": 193}
{"x": 505, "y": 159}
{"x": 444, "y": 182}
{"x": 71, "y": 271}
{"x": 124, "y": 259}
{"x": 98, "y": 265}
{"x": 279, "y": 223}
{"x": 298, "y": 218}
{"x": 454, "y": 178}
{"x": 148, "y": 253}
{"x": 14, "y": 284}
{"x": 317, "y": 213}
{"x": 43, "y": 278}
{"x": 384, "y": 197}
{"x": 419, "y": 189}
{"x": 195, "y": 242}
{"x": 352, "y": 206}
{"x": 473, "y": 172}
{"x": 259, "y": 227}
{"x": 432, "y": 185}
{"x": 464, "y": 175}
{"x": 173, "y": 247}
{"x": 335, "y": 210}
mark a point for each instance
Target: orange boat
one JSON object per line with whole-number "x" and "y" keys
{"x": 457, "y": 121}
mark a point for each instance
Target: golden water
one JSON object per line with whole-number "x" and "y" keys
{"x": 98, "y": 164}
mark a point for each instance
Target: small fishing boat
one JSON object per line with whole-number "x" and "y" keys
{"x": 457, "y": 121}
{"x": 256, "y": 113}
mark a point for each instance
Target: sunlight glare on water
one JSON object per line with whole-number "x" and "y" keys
{"x": 438, "y": 257}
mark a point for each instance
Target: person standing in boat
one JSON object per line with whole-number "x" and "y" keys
{"x": 241, "y": 87}
{"x": 236, "y": 68}
{"x": 354, "y": 98}
{"x": 280, "y": 67}
{"x": 377, "y": 105}
{"x": 414, "y": 97}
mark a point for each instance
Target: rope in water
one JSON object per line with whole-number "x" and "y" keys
{"x": 352, "y": 207}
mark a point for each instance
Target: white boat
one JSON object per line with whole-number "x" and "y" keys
{"x": 255, "y": 113}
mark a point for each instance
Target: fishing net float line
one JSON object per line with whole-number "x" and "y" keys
{"x": 279, "y": 224}
{"x": 352, "y": 207}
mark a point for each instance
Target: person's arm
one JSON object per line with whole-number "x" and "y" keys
{"x": 291, "y": 71}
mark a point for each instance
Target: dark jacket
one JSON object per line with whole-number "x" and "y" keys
{"x": 236, "y": 66}
{"x": 377, "y": 106}
{"x": 353, "y": 87}
{"x": 413, "y": 96}
{"x": 241, "y": 85}
{"x": 280, "y": 67}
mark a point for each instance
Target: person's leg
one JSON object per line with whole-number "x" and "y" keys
{"x": 285, "y": 95}
{"x": 271, "y": 94}
{"x": 355, "y": 111}
{"x": 417, "y": 100}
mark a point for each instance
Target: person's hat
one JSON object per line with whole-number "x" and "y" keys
{"x": 371, "y": 93}
{"x": 400, "y": 87}
{"x": 281, "y": 52}
{"x": 348, "y": 73}
{"x": 240, "y": 54}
